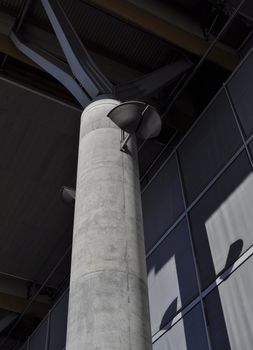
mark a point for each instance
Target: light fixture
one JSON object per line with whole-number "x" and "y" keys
{"x": 135, "y": 117}
{"x": 68, "y": 195}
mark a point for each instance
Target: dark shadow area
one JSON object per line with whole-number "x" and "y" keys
{"x": 218, "y": 221}
{"x": 172, "y": 309}
{"x": 234, "y": 253}
{"x": 172, "y": 277}
{"x": 162, "y": 203}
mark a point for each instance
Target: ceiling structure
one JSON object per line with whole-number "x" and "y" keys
{"x": 39, "y": 120}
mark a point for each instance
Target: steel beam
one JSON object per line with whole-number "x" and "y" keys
{"x": 57, "y": 68}
{"x": 92, "y": 82}
{"x": 18, "y": 304}
{"x": 82, "y": 66}
{"x": 8, "y": 48}
{"x": 150, "y": 83}
{"x": 181, "y": 35}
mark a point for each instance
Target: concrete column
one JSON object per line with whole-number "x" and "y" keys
{"x": 108, "y": 307}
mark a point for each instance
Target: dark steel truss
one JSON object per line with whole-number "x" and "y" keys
{"x": 80, "y": 75}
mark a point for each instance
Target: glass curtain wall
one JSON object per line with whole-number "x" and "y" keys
{"x": 198, "y": 219}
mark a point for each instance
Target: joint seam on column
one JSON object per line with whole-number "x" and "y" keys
{"x": 90, "y": 108}
{"x": 82, "y": 135}
{"x": 112, "y": 271}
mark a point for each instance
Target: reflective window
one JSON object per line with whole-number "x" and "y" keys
{"x": 188, "y": 334}
{"x": 162, "y": 203}
{"x": 209, "y": 146}
{"x": 230, "y": 311}
{"x": 241, "y": 90}
{"x": 171, "y": 277}
{"x": 222, "y": 220}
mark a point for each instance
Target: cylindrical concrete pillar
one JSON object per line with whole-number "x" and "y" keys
{"x": 108, "y": 302}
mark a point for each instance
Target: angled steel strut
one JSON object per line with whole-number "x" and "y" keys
{"x": 80, "y": 75}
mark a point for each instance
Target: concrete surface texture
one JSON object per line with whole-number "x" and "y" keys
{"x": 108, "y": 307}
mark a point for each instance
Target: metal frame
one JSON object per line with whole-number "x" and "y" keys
{"x": 187, "y": 208}
{"x": 80, "y": 63}
{"x": 81, "y": 76}
{"x": 53, "y": 66}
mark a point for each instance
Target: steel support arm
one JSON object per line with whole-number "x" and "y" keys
{"x": 81, "y": 76}
{"x": 82, "y": 66}
{"x": 152, "y": 82}
{"x": 55, "y": 67}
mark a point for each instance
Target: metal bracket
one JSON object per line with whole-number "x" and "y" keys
{"x": 124, "y": 140}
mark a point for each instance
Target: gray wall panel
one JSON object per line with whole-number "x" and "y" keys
{"x": 241, "y": 90}
{"x": 171, "y": 277}
{"x": 222, "y": 221}
{"x": 162, "y": 203}
{"x": 209, "y": 146}
{"x": 38, "y": 339}
{"x": 231, "y": 326}
{"x": 58, "y": 325}
{"x": 188, "y": 334}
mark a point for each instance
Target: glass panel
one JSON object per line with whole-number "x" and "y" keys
{"x": 58, "y": 324}
{"x": 171, "y": 277}
{"x": 38, "y": 338}
{"x": 241, "y": 90}
{"x": 209, "y": 146}
{"x": 230, "y": 311}
{"x": 222, "y": 220}
{"x": 188, "y": 334}
{"x": 162, "y": 203}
